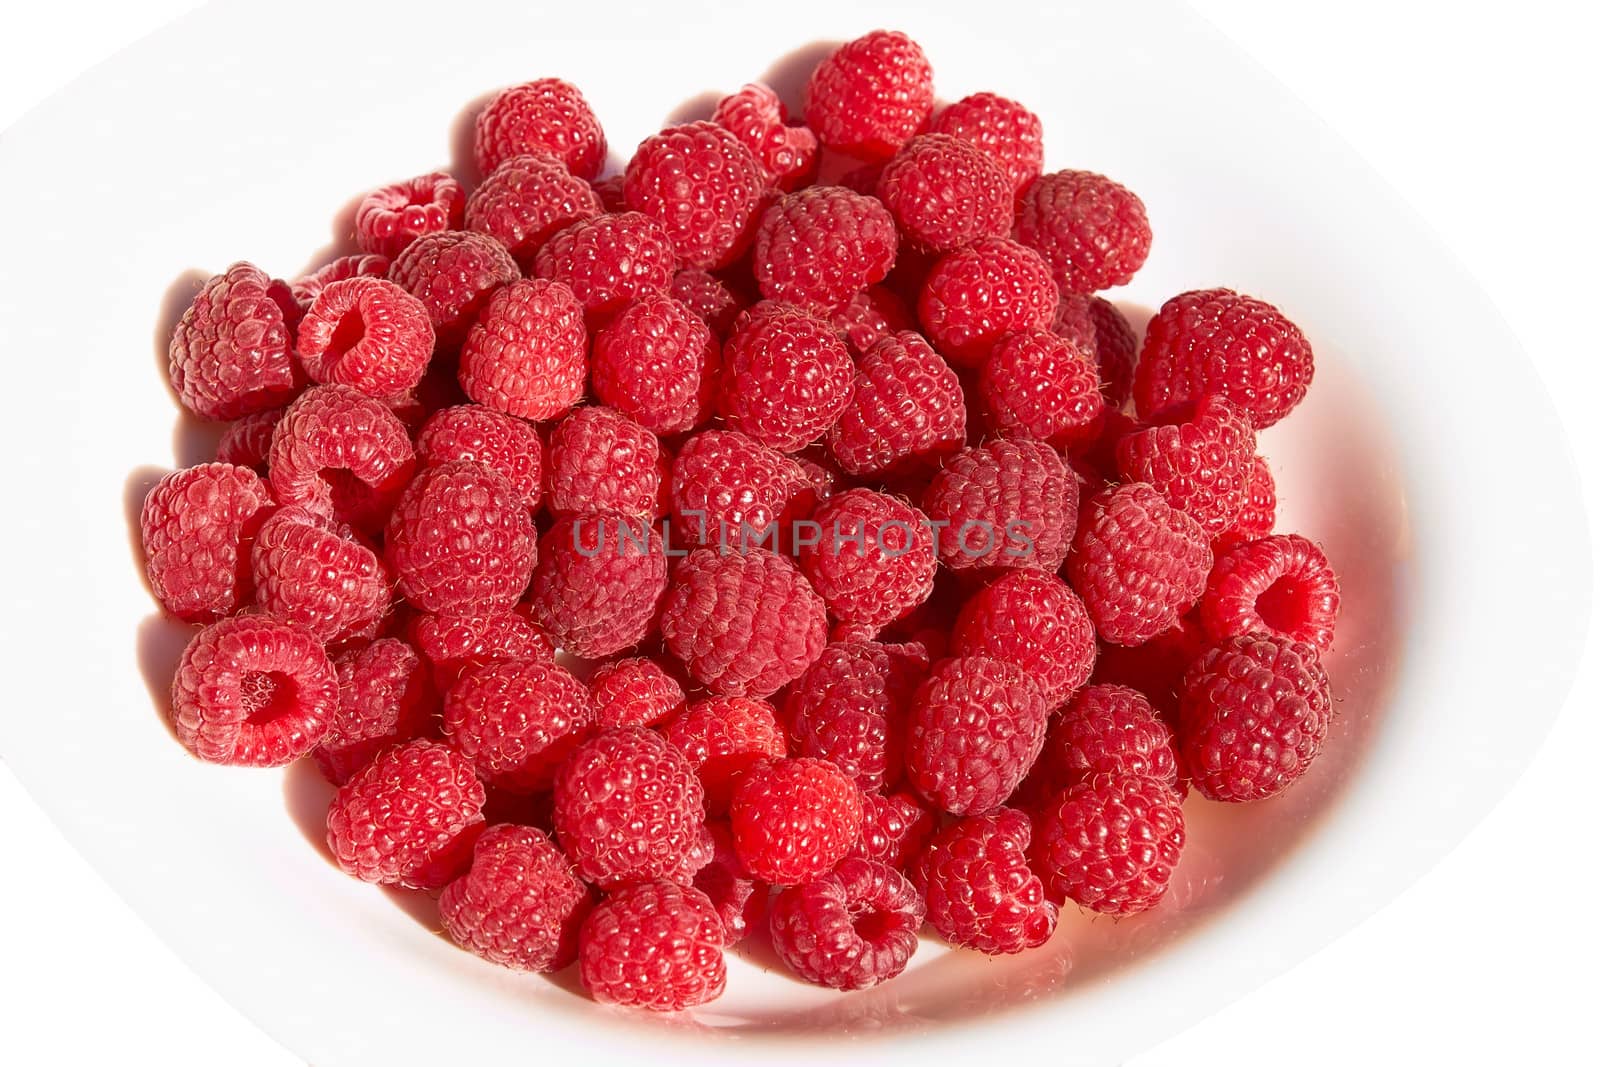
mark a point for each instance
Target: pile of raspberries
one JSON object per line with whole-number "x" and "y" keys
{"x": 779, "y": 538}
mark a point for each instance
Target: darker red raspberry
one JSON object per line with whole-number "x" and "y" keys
{"x": 722, "y": 737}
{"x": 546, "y": 116}
{"x": 976, "y": 726}
{"x": 703, "y": 185}
{"x": 460, "y": 540}
{"x": 894, "y": 828}
{"x": 974, "y": 296}
{"x": 516, "y": 722}
{"x": 730, "y": 491}
{"x": 196, "y": 526}
{"x": 872, "y": 558}
{"x": 1096, "y": 326}
{"x": 742, "y": 624}
{"x": 519, "y": 904}
{"x": 787, "y": 376}
{"x": 489, "y": 438}
{"x": 1279, "y": 585}
{"x": 1034, "y": 621}
{"x": 1138, "y": 563}
{"x": 386, "y": 696}
{"x": 603, "y": 461}
{"x": 231, "y": 352}
{"x": 628, "y": 808}
{"x": 654, "y": 945}
{"x": 1010, "y": 504}
{"x": 713, "y": 300}
{"x": 945, "y": 193}
{"x": 1039, "y": 385}
{"x": 1156, "y": 667}
{"x": 527, "y": 353}
{"x": 305, "y": 290}
{"x": 850, "y": 706}
{"x": 526, "y": 200}
{"x": 657, "y": 362}
{"x": 820, "y": 246}
{"x": 1258, "y": 517}
{"x": 1003, "y": 129}
{"x": 367, "y": 333}
{"x": 1092, "y": 231}
{"x": 980, "y": 893}
{"x": 794, "y": 819}
{"x": 454, "y": 643}
{"x": 609, "y": 190}
{"x": 906, "y": 413}
{"x": 786, "y": 151}
{"x": 1106, "y": 730}
{"x": 254, "y": 692}
{"x": 599, "y": 580}
{"x": 247, "y": 441}
{"x": 341, "y": 454}
{"x": 453, "y": 273}
{"x": 851, "y": 928}
{"x": 390, "y": 218}
{"x": 608, "y": 260}
{"x": 319, "y": 577}
{"x": 870, "y": 95}
{"x": 1218, "y": 342}
{"x": 635, "y": 691}
{"x": 870, "y": 316}
{"x": 1110, "y": 844}
{"x": 740, "y": 901}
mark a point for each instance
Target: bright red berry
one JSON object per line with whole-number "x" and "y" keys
{"x": 248, "y": 441}
{"x": 1156, "y": 667}
{"x": 722, "y": 737}
{"x": 894, "y": 828}
{"x": 608, "y": 260}
{"x": 231, "y": 352}
{"x": 1004, "y": 504}
{"x": 1138, "y": 563}
{"x": 1107, "y": 730}
{"x": 516, "y": 722}
{"x": 527, "y": 355}
{"x": 872, "y": 559}
{"x": 786, "y": 151}
{"x": 1003, "y": 129}
{"x": 453, "y": 273}
{"x": 787, "y": 376}
{"x": 818, "y": 247}
{"x": 794, "y": 819}
{"x": 730, "y": 491}
{"x": 1034, "y": 621}
{"x": 850, "y": 706}
{"x": 711, "y": 298}
{"x": 456, "y": 642}
{"x": 979, "y": 293}
{"x": 906, "y": 412}
{"x": 1096, "y": 326}
{"x": 386, "y": 696}
{"x": 460, "y": 540}
{"x": 654, "y": 945}
{"x": 508, "y": 446}
{"x": 305, "y": 289}
{"x": 390, "y": 218}
{"x": 519, "y": 904}
{"x": 526, "y": 200}
{"x": 1093, "y": 232}
{"x": 870, "y": 95}
{"x": 546, "y": 115}
{"x": 367, "y": 333}
{"x": 310, "y": 572}
{"x": 341, "y": 454}
{"x": 976, "y": 726}
{"x": 1258, "y": 517}
{"x": 598, "y": 583}
{"x": 703, "y": 185}
{"x": 603, "y": 461}
{"x": 657, "y": 362}
{"x": 945, "y": 193}
{"x": 1201, "y": 466}
{"x": 979, "y": 890}
{"x": 1039, "y": 385}
{"x": 1278, "y": 585}
{"x": 634, "y": 691}
{"x": 869, "y": 316}
{"x": 196, "y": 526}
{"x": 1110, "y": 844}
{"x": 851, "y": 928}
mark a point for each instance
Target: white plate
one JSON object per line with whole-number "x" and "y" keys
{"x": 1427, "y": 460}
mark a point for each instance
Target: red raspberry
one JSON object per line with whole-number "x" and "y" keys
{"x": 1004, "y": 504}
{"x": 1253, "y": 714}
{"x": 230, "y": 354}
{"x": 656, "y": 946}
{"x": 723, "y": 737}
{"x": 820, "y": 246}
{"x": 489, "y": 438}
{"x": 870, "y": 95}
{"x": 386, "y": 696}
{"x": 1092, "y": 231}
{"x": 1278, "y": 585}
{"x": 629, "y": 808}
{"x": 743, "y": 625}
{"x": 1110, "y": 844}
{"x": 527, "y": 353}
{"x": 704, "y": 187}
{"x": 978, "y": 294}
{"x": 980, "y": 893}
{"x": 825, "y": 481}
{"x": 709, "y": 297}
{"x": 516, "y": 722}
{"x": 788, "y": 376}
{"x": 196, "y": 526}
{"x": 740, "y": 901}
{"x": 253, "y": 692}
{"x": 1039, "y": 385}
{"x": 366, "y": 333}
{"x": 657, "y": 362}
{"x": 602, "y": 461}
{"x": 599, "y": 579}
{"x": 787, "y": 152}
{"x": 453, "y": 273}
{"x": 794, "y": 819}
{"x": 1107, "y": 730}
{"x": 1202, "y": 466}
{"x": 526, "y": 200}
{"x": 728, "y": 490}
{"x": 455, "y": 643}
{"x": 1156, "y": 667}
{"x": 945, "y": 193}
{"x": 322, "y": 579}
{"x": 1033, "y": 621}
{"x": 519, "y": 904}
{"x": 248, "y": 441}
{"x": 906, "y": 413}
{"x": 1096, "y": 326}
{"x": 1003, "y": 129}
{"x": 894, "y": 828}
{"x": 851, "y": 928}
{"x": 1217, "y": 342}
{"x": 976, "y": 726}
{"x": 390, "y": 218}
{"x": 341, "y": 454}
{"x": 608, "y": 260}
{"x": 635, "y": 692}
{"x": 410, "y": 818}
{"x": 305, "y": 290}
{"x": 546, "y": 116}
{"x": 870, "y": 316}
{"x": 460, "y": 540}
{"x": 873, "y": 557}
{"x": 1138, "y": 562}
{"x": 609, "y": 190}
{"x": 849, "y": 708}
{"x": 1259, "y": 516}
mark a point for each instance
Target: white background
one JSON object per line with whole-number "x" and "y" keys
{"x": 1485, "y": 120}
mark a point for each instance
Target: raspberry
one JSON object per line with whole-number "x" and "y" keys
{"x": 1156, "y": 667}
{"x": 980, "y": 893}
{"x": 1253, "y": 714}
{"x": 547, "y": 116}
{"x": 974, "y": 296}
{"x": 656, "y": 946}
{"x": 602, "y": 461}
{"x": 723, "y": 737}
{"x": 495, "y": 441}
{"x": 453, "y": 273}
{"x": 367, "y": 333}
{"x": 945, "y": 193}
{"x": 1278, "y": 585}
{"x": 1201, "y": 466}
{"x": 455, "y": 643}
{"x": 518, "y": 905}
{"x": 248, "y": 441}
{"x": 709, "y": 297}
{"x": 870, "y": 95}
{"x": 1033, "y": 621}
{"x": 253, "y": 692}
{"x": 609, "y": 190}
{"x": 341, "y": 454}
{"x": 788, "y": 376}
{"x": 390, "y": 218}
{"x": 410, "y": 818}
{"x": 852, "y": 928}
{"x": 870, "y": 316}
{"x": 1138, "y": 563}
{"x": 634, "y": 692}
{"x": 820, "y": 246}
{"x": 740, "y": 901}
{"x": 516, "y": 722}
{"x": 526, "y": 354}
{"x": 305, "y": 290}
{"x": 794, "y": 819}
{"x": 1107, "y": 730}
{"x": 322, "y": 579}
{"x": 1217, "y": 342}
{"x": 1092, "y": 231}
{"x": 849, "y": 708}
{"x": 787, "y": 152}
{"x": 657, "y": 362}
{"x": 906, "y": 413}
{"x": 873, "y": 559}
{"x": 1041, "y": 386}
{"x": 599, "y": 579}
{"x": 1004, "y": 504}
{"x": 728, "y": 490}
{"x": 460, "y": 540}
{"x": 1002, "y": 129}
{"x": 526, "y": 200}
{"x": 894, "y": 828}
{"x": 608, "y": 260}
{"x": 230, "y": 354}
{"x": 703, "y": 185}
{"x": 196, "y": 526}
{"x": 743, "y": 625}
{"x": 976, "y": 726}
{"x": 1109, "y": 844}
{"x": 629, "y": 808}
{"x": 1258, "y": 517}
{"x": 386, "y": 695}
{"x": 1096, "y": 325}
